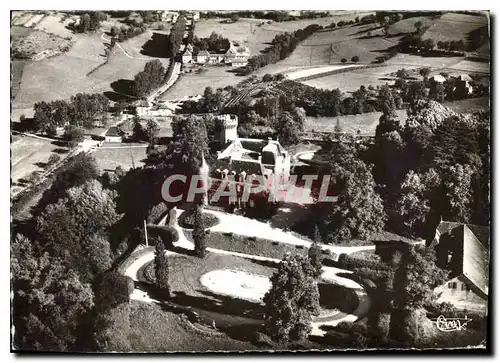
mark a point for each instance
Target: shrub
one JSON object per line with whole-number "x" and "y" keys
{"x": 22, "y": 117}
{"x": 355, "y": 59}
{"x": 186, "y": 219}
{"x": 54, "y": 158}
{"x": 343, "y": 60}
{"x": 166, "y": 233}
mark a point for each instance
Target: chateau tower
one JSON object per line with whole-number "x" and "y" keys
{"x": 229, "y": 126}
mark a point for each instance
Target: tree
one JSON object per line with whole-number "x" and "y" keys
{"x": 359, "y": 211}
{"x": 138, "y": 133}
{"x": 414, "y": 283}
{"x": 418, "y": 26}
{"x": 424, "y": 72}
{"x": 402, "y": 73}
{"x": 50, "y": 301}
{"x": 343, "y": 60}
{"x": 315, "y": 259}
{"x": 292, "y": 300}
{"x": 84, "y": 23}
{"x": 75, "y": 228}
{"x": 152, "y": 131}
{"x": 73, "y": 135}
{"x": 457, "y": 185}
{"x": 440, "y": 93}
{"x": 428, "y": 45}
{"x": 161, "y": 268}
{"x": 355, "y": 59}
{"x": 199, "y": 234}
{"x": 418, "y": 191}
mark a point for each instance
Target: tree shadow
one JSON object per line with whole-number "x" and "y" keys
{"x": 157, "y": 46}
{"x": 25, "y": 125}
{"x": 60, "y": 151}
{"x": 41, "y": 165}
{"x": 123, "y": 86}
{"x": 337, "y": 297}
{"x": 59, "y": 143}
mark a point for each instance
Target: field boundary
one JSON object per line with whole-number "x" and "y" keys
{"x": 336, "y": 71}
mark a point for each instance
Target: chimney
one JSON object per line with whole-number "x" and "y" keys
{"x": 269, "y": 140}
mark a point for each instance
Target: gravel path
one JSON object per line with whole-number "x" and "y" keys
{"x": 231, "y": 223}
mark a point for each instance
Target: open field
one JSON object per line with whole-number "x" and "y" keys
{"x": 255, "y": 33}
{"x": 28, "y": 155}
{"x": 111, "y": 155}
{"x": 355, "y": 78}
{"x": 192, "y": 84}
{"x": 469, "y": 67}
{"x": 454, "y": 26}
{"x": 366, "y": 123}
{"x": 157, "y": 330}
{"x": 67, "y": 74}
{"x": 469, "y": 105}
{"x": 408, "y": 25}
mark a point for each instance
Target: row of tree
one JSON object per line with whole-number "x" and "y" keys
{"x": 123, "y": 33}
{"x": 278, "y": 16}
{"x": 176, "y": 36}
{"x": 82, "y": 110}
{"x": 282, "y": 46}
{"x": 149, "y": 79}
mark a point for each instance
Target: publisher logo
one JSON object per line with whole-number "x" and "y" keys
{"x": 452, "y": 324}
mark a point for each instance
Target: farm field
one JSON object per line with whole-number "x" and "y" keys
{"x": 471, "y": 67}
{"x": 67, "y": 74}
{"x": 366, "y": 123}
{"x": 255, "y": 33}
{"x": 408, "y": 25}
{"x": 351, "y": 81}
{"x": 469, "y": 105}
{"x": 28, "y": 155}
{"x": 454, "y": 26}
{"x": 191, "y": 84}
{"x": 111, "y": 155}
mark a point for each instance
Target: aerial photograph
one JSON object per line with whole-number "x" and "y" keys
{"x": 200, "y": 181}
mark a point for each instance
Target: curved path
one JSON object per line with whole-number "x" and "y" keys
{"x": 229, "y": 223}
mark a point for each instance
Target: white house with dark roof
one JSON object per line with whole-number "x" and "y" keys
{"x": 463, "y": 250}
{"x": 202, "y": 57}
{"x": 187, "y": 56}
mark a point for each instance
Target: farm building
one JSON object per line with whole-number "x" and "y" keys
{"x": 463, "y": 84}
{"x": 114, "y": 134}
{"x": 437, "y": 79}
{"x": 187, "y": 57}
{"x": 202, "y": 57}
{"x": 142, "y": 107}
{"x": 235, "y": 56}
{"x": 464, "y": 251}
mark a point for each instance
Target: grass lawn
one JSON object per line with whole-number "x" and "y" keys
{"x": 192, "y": 84}
{"x": 469, "y": 105}
{"x": 366, "y": 122}
{"x": 111, "y": 155}
{"x": 62, "y": 76}
{"x": 252, "y": 246}
{"x": 454, "y": 26}
{"x": 30, "y": 155}
{"x": 157, "y": 330}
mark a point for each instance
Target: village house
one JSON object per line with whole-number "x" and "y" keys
{"x": 202, "y": 57}
{"x": 187, "y": 56}
{"x": 234, "y": 56}
{"x": 463, "y": 249}
{"x": 463, "y": 84}
{"x": 142, "y": 107}
{"x": 437, "y": 78}
{"x": 114, "y": 134}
